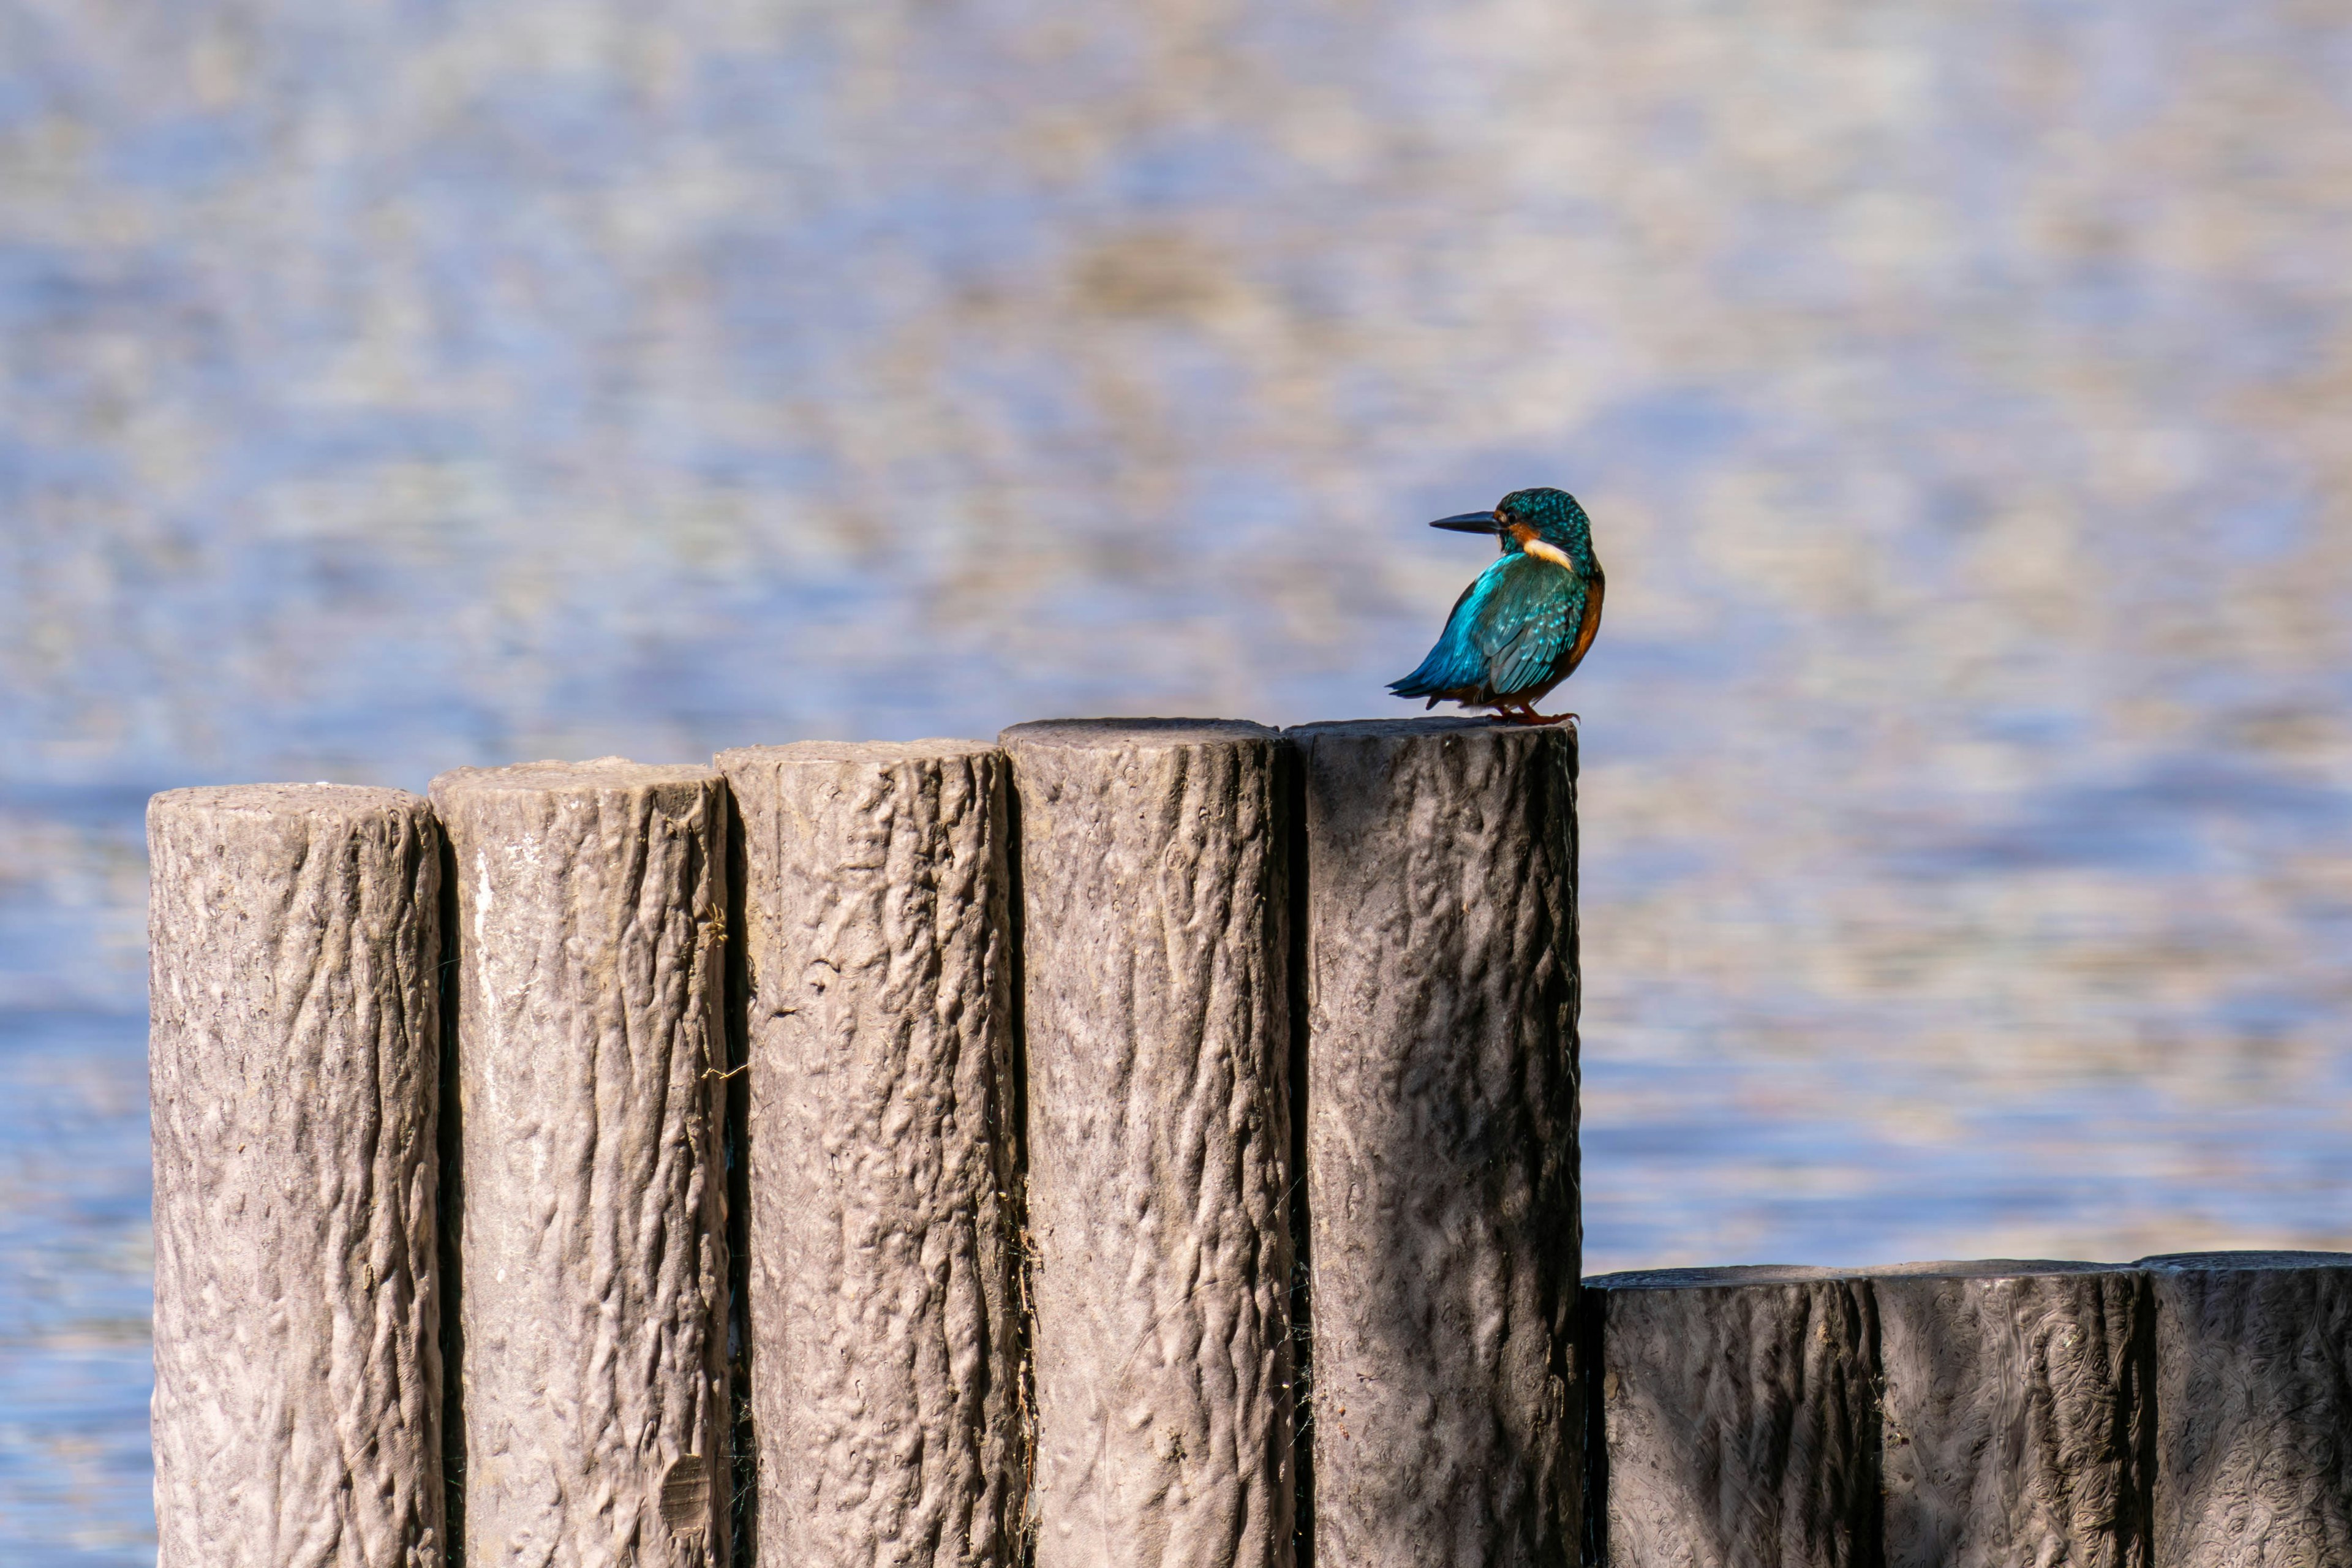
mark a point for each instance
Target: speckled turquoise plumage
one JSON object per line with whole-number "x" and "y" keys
{"x": 1525, "y": 625}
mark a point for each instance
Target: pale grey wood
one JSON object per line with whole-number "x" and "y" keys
{"x": 886, "y": 1375}
{"x": 2253, "y": 1400}
{"x": 592, "y": 1247}
{"x": 294, "y": 1058}
{"x": 1157, "y": 1023}
{"x": 2017, "y": 1413}
{"x": 1440, "y": 911}
{"x": 1741, "y": 1418}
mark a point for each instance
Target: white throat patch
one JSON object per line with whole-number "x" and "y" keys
{"x": 1551, "y": 553}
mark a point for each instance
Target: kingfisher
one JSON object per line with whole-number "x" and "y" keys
{"x": 1524, "y": 626}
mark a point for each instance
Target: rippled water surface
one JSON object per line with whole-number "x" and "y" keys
{"x": 1960, "y": 390}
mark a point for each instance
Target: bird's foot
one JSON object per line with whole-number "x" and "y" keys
{"x": 1522, "y": 714}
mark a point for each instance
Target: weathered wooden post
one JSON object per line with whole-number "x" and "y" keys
{"x": 293, "y": 1061}
{"x": 1157, "y": 1016}
{"x": 2017, "y": 1413}
{"x": 1741, "y": 1419}
{"x": 1448, "y": 1418}
{"x": 592, "y": 1243}
{"x": 886, "y": 1348}
{"x": 2254, "y": 1401}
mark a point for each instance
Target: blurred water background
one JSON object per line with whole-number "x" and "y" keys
{"x": 1961, "y": 391}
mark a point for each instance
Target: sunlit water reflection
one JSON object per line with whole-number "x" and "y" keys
{"x": 1959, "y": 391}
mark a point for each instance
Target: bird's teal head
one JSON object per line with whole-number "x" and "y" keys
{"x": 1541, "y": 522}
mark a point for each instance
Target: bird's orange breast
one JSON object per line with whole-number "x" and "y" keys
{"x": 1587, "y": 628}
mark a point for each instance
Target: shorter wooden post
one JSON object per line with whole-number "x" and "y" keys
{"x": 294, "y": 1063}
{"x": 2253, "y": 1402}
{"x": 591, "y": 1240}
{"x": 1740, "y": 1419}
{"x": 2018, "y": 1413}
{"x": 886, "y": 1376}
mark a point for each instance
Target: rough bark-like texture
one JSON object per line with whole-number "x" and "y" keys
{"x": 2017, "y": 1413}
{"x": 1158, "y": 1024}
{"x": 1447, "y": 1423}
{"x": 884, "y": 1300}
{"x": 2253, "y": 1409}
{"x": 1740, "y": 1417}
{"x": 294, "y": 1069}
{"x": 591, "y": 1244}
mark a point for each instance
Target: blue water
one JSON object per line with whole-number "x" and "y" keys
{"x": 1957, "y": 389}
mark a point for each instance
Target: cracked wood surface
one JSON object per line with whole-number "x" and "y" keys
{"x": 592, "y": 1243}
{"x": 2253, "y": 1409}
{"x": 2017, "y": 1413}
{"x": 1741, "y": 1418}
{"x": 294, "y": 1063}
{"x": 1448, "y": 1418}
{"x": 1157, "y": 1017}
{"x": 883, "y": 1293}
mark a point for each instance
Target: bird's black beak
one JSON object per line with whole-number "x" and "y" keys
{"x": 1470, "y": 523}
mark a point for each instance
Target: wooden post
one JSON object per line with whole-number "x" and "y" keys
{"x": 2253, "y": 1402}
{"x": 2018, "y": 1416}
{"x": 1159, "y": 1141}
{"x": 592, "y": 1212}
{"x": 1447, "y": 1414}
{"x": 1741, "y": 1419}
{"x": 886, "y": 1376}
{"x": 293, "y": 1063}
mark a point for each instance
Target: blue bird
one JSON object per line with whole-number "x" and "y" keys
{"x": 1522, "y": 626}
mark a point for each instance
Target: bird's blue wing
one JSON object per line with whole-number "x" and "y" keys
{"x": 1529, "y": 615}
{"x": 1506, "y": 633}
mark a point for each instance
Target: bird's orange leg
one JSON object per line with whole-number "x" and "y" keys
{"x": 1525, "y": 713}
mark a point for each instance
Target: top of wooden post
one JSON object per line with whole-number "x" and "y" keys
{"x": 604, "y": 772}
{"x": 879, "y": 753}
{"x": 2227, "y": 1262}
{"x": 1129, "y": 734}
{"x": 1701, "y": 1278}
{"x": 284, "y": 800}
{"x": 1986, "y": 1269}
{"x": 1430, "y": 724}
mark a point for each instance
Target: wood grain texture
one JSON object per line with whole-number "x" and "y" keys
{"x": 2253, "y": 1409}
{"x": 1447, "y": 1421}
{"x": 592, "y": 1212}
{"x": 294, "y": 1063}
{"x": 2018, "y": 1414}
{"x": 1741, "y": 1418}
{"x": 884, "y": 1293}
{"x": 1157, "y": 1021}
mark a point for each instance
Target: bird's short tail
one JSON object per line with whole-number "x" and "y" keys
{"x": 1431, "y": 680}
